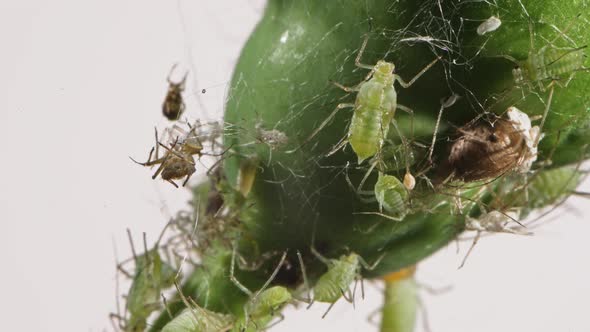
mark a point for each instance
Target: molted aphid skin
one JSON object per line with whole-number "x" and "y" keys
{"x": 487, "y": 150}
{"x": 173, "y": 105}
{"x": 489, "y": 25}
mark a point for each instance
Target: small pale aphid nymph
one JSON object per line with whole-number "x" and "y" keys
{"x": 173, "y": 105}
{"x": 489, "y": 149}
{"x": 489, "y": 25}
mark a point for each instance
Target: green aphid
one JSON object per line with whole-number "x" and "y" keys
{"x": 551, "y": 186}
{"x": 263, "y": 305}
{"x": 374, "y": 108}
{"x": 335, "y": 283}
{"x": 549, "y": 64}
{"x": 152, "y": 275}
{"x": 197, "y": 319}
{"x": 392, "y": 196}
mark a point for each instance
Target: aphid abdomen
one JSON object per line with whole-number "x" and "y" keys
{"x": 332, "y": 284}
{"x": 553, "y": 64}
{"x": 370, "y": 122}
{"x": 561, "y": 63}
{"x": 326, "y": 289}
{"x": 391, "y": 195}
{"x": 270, "y": 301}
{"x": 366, "y": 133}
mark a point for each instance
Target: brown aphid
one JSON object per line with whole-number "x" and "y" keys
{"x": 178, "y": 161}
{"x": 488, "y": 149}
{"x": 173, "y": 105}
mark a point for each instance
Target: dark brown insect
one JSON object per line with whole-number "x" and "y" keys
{"x": 178, "y": 161}
{"x": 173, "y": 105}
{"x": 488, "y": 149}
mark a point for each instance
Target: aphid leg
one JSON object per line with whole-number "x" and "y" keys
{"x": 170, "y": 315}
{"x": 381, "y": 215}
{"x": 243, "y": 288}
{"x": 407, "y": 150}
{"x": 349, "y": 298}
{"x": 417, "y": 76}
{"x": 349, "y": 88}
{"x": 305, "y": 281}
{"x": 319, "y": 256}
{"x": 323, "y": 124}
{"x": 443, "y": 104}
{"x": 356, "y": 281}
{"x": 357, "y": 60}
{"x": 545, "y": 113}
{"x": 266, "y": 284}
{"x": 359, "y": 190}
{"x": 272, "y": 276}
{"x": 328, "y": 310}
{"x": 371, "y": 267}
{"x": 338, "y": 146}
{"x": 234, "y": 279}
{"x": 424, "y": 314}
{"x": 130, "y": 237}
{"x": 118, "y": 326}
{"x": 475, "y": 240}
{"x": 275, "y": 314}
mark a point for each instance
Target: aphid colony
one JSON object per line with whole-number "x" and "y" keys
{"x": 485, "y": 149}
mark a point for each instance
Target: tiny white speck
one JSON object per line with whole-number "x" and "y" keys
{"x": 489, "y": 25}
{"x": 284, "y": 37}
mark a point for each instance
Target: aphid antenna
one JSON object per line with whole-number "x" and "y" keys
{"x": 117, "y": 315}
{"x": 145, "y": 250}
{"x": 444, "y": 103}
{"x": 169, "y": 78}
{"x": 322, "y": 125}
{"x": 305, "y": 280}
{"x": 191, "y": 237}
{"x": 380, "y": 215}
{"x": 130, "y": 237}
{"x": 253, "y": 296}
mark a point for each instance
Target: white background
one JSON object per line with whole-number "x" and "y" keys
{"x": 81, "y": 84}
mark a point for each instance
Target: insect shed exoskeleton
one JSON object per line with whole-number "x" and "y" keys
{"x": 488, "y": 149}
{"x": 173, "y": 105}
